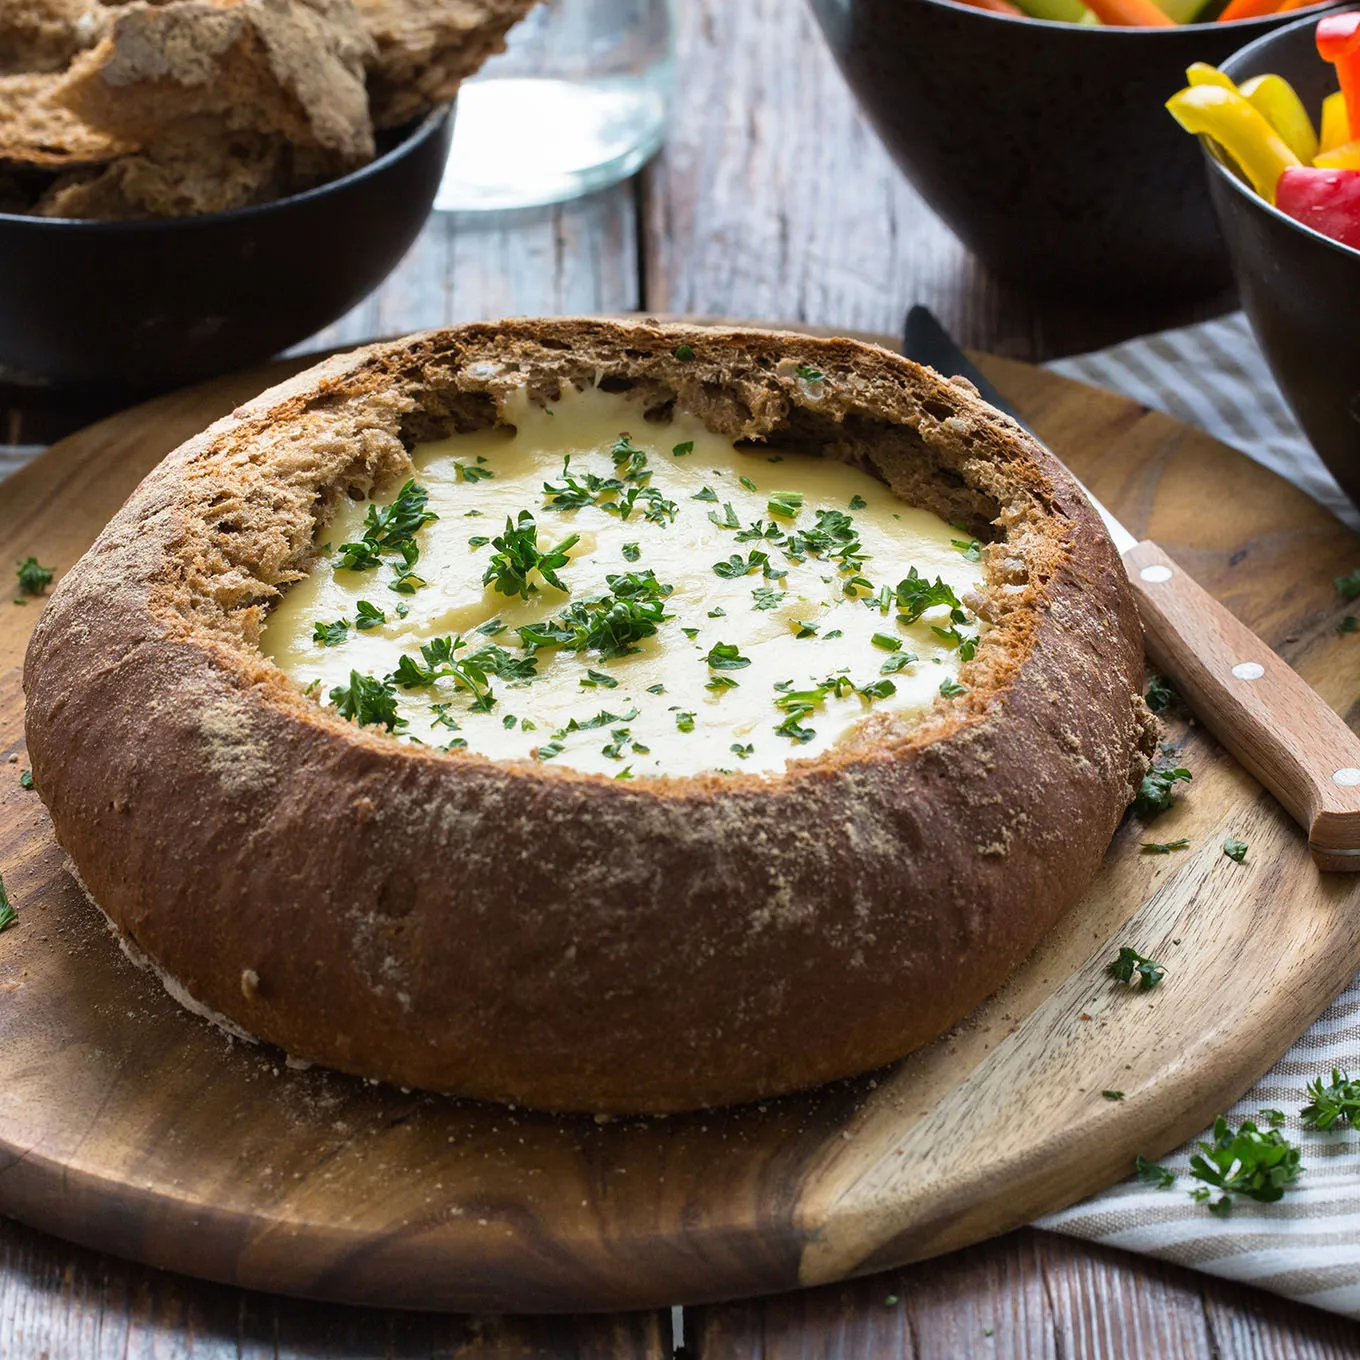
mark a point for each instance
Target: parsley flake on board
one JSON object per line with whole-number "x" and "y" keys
{"x": 1350, "y": 624}
{"x": 1157, "y": 791}
{"x": 33, "y": 578}
{"x": 1235, "y": 850}
{"x": 367, "y": 700}
{"x": 1158, "y": 1177}
{"x": 26, "y": 779}
{"x": 1337, "y": 1103}
{"x": 8, "y": 916}
{"x": 1260, "y": 1165}
{"x": 1113, "y": 1095}
{"x": 518, "y": 554}
{"x": 1136, "y": 969}
{"x": 1165, "y": 847}
{"x": 1349, "y": 586}
{"x": 1160, "y": 696}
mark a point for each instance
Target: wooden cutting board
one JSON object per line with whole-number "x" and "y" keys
{"x": 129, "y": 1125}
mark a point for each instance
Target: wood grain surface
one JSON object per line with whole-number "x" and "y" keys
{"x": 129, "y": 1125}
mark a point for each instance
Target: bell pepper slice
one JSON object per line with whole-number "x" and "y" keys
{"x": 1240, "y": 129}
{"x": 1058, "y": 11}
{"x": 1247, "y": 9}
{"x": 1336, "y": 127}
{"x": 1338, "y": 41}
{"x": 1344, "y": 157}
{"x": 1326, "y": 200}
{"x": 1201, "y": 73}
{"x": 1276, "y": 100}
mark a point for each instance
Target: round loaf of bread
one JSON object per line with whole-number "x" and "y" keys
{"x": 524, "y": 932}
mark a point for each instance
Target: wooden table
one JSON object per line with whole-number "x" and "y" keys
{"x": 772, "y": 200}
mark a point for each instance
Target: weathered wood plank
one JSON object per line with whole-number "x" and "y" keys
{"x": 65, "y": 1303}
{"x": 1026, "y": 1296}
{"x": 774, "y": 198}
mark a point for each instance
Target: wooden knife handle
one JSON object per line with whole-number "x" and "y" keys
{"x": 1276, "y": 724}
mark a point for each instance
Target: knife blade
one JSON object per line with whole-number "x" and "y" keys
{"x": 1258, "y": 707}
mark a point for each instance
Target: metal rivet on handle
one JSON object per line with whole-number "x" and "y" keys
{"x": 1155, "y": 573}
{"x": 1348, "y": 777}
{"x": 1249, "y": 670}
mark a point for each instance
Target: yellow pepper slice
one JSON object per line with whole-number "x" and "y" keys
{"x": 1274, "y": 98}
{"x": 1336, "y": 127}
{"x": 1344, "y": 157}
{"x": 1240, "y": 129}
{"x": 1201, "y": 73}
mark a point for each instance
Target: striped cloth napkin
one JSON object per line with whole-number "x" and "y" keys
{"x": 1306, "y": 1246}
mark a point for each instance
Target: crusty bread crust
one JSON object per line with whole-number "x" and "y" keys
{"x": 533, "y": 933}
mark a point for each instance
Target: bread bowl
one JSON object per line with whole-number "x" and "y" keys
{"x": 522, "y": 930}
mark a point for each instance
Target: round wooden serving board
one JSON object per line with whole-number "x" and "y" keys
{"x": 131, "y": 1126}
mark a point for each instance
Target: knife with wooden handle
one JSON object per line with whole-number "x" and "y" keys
{"x": 1271, "y": 720}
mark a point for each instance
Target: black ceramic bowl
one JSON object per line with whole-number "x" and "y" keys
{"x": 1045, "y": 146}
{"x": 1301, "y": 289}
{"x": 145, "y": 306}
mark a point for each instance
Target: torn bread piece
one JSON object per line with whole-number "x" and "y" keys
{"x": 35, "y": 130}
{"x": 42, "y": 36}
{"x": 193, "y": 172}
{"x": 427, "y": 48}
{"x": 281, "y": 67}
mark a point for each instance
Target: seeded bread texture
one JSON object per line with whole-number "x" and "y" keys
{"x": 515, "y": 931}
{"x": 425, "y": 49}
{"x": 273, "y": 67}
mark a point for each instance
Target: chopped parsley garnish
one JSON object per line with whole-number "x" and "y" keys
{"x": 8, "y": 916}
{"x": 858, "y": 502}
{"x": 392, "y": 529}
{"x": 725, "y": 656}
{"x": 611, "y": 624}
{"x": 1157, "y": 791}
{"x": 683, "y": 352}
{"x": 792, "y": 728}
{"x": 631, "y": 552}
{"x": 1337, "y": 1103}
{"x": 809, "y": 374}
{"x": 742, "y": 752}
{"x": 1164, "y": 847}
{"x": 951, "y": 689}
{"x": 1349, "y": 586}
{"x": 34, "y": 579}
{"x": 685, "y": 722}
{"x": 683, "y": 450}
{"x": 705, "y": 493}
{"x": 1260, "y": 1165}
{"x": 970, "y": 548}
{"x": 718, "y": 613}
{"x": 368, "y": 616}
{"x": 915, "y": 595}
{"x": 518, "y": 555}
{"x": 748, "y": 484}
{"x": 1160, "y": 696}
{"x": 1113, "y": 1095}
{"x": 896, "y": 662}
{"x": 803, "y": 630}
{"x": 736, "y": 566}
{"x": 1350, "y": 624}
{"x": 1151, "y": 1174}
{"x": 967, "y": 643}
{"x": 765, "y": 598}
{"x": 470, "y": 472}
{"x": 1135, "y": 969}
{"x": 490, "y": 628}
{"x": 878, "y": 689}
{"x": 656, "y": 689}
{"x": 367, "y": 700}
{"x": 548, "y": 750}
{"x": 331, "y": 634}
{"x": 598, "y": 680}
{"x": 478, "y": 541}
{"x": 1235, "y": 849}
{"x": 728, "y": 519}
{"x": 26, "y": 779}
{"x": 718, "y": 682}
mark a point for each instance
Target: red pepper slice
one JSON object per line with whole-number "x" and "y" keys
{"x": 1326, "y": 200}
{"x": 1338, "y": 41}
